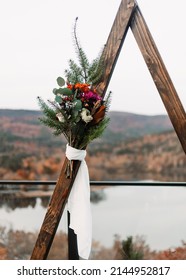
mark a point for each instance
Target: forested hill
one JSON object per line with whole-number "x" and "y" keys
{"x": 25, "y": 123}
{"x": 132, "y": 147}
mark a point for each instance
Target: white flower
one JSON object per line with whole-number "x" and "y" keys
{"x": 60, "y": 117}
{"x": 85, "y": 114}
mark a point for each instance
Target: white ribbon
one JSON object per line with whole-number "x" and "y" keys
{"x": 79, "y": 204}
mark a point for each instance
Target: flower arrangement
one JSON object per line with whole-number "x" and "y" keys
{"x": 78, "y": 111}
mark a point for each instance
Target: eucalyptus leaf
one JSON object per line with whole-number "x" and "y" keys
{"x": 60, "y": 81}
{"x": 75, "y": 113}
{"x": 66, "y": 91}
{"x": 54, "y": 90}
{"x": 77, "y": 104}
{"x": 58, "y": 99}
{"x": 59, "y": 91}
{"x": 78, "y": 119}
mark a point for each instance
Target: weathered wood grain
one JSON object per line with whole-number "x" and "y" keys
{"x": 54, "y": 212}
{"x": 160, "y": 75}
{"x": 115, "y": 41}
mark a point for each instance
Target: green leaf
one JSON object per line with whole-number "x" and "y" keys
{"x": 58, "y": 99}
{"x": 77, "y": 104}
{"x": 75, "y": 113}
{"x": 60, "y": 81}
{"x": 78, "y": 118}
{"x": 66, "y": 91}
{"x": 54, "y": 90}
{"x": 59, "y": 90}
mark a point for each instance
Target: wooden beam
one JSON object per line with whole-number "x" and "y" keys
{"x": 115, "y": 41}
{"x": 160, "y": 75}
{"x": 54, "y": 212}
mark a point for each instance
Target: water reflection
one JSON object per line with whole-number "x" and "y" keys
{"x": 22, "y": 199}
{"x": 153, "y": 212}
{"x": 10, "y": 201}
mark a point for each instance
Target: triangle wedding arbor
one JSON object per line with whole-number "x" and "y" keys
{"x": 128, "y": 15}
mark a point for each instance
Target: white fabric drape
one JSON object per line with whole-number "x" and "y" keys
{"x": 79, "y": 204}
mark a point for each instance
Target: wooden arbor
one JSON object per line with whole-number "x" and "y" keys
{"x": 128, "y": 15}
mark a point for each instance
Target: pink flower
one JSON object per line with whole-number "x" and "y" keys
{"x": 91, "y": 95}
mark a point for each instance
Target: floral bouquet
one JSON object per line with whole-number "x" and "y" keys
{"x": 78, "y": 112}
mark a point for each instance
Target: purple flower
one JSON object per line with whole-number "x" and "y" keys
{"x": 91, "y": 95}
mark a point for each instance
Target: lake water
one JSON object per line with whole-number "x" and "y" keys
{"x": 156, "y": 213}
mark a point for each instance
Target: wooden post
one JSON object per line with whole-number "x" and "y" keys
{"x": 160, "y": 75}
{"x": 54, "y": 212}
{"x": 115, "y": 41}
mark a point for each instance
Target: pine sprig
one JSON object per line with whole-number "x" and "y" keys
{"x": 94, "y": 132}
{"x": 74, "y": 73}
{"x": 51, "y": 124}
{"x": 50, "y": 119}
{"x": 83, "y": 60}
{"x": 85, "y": 72}
{"x": 96, "y": 70}
{"x": 108, "y": 101}
{"x": 49, "y": 112}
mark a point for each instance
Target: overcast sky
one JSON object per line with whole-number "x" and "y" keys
{"x": 36, "y": 44}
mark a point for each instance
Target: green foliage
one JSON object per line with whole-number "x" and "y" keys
{"x": 129, "y": 251}
{"x": 85, "y": 72}
{"x": 96, "y": 70}
{"x": 84, "y": 133}
{"x": 77, "y": 105}
{"x": 74, "y": 73}
{"x": 95, "y": 131}
{"x": 78, "y": 111}
{"x": 60, "y": 81}
{"x": 66, "y": 91}
{"x": 108, "y": 101}
{"x": 50, "y": 119}
{"x": 58, "y": 99}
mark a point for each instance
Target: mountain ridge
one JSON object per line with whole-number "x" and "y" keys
{"x": 125, "y": 124}
{"x": 132, "y": 147}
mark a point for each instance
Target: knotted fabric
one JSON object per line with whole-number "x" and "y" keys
{"x": 79, "y": 204}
